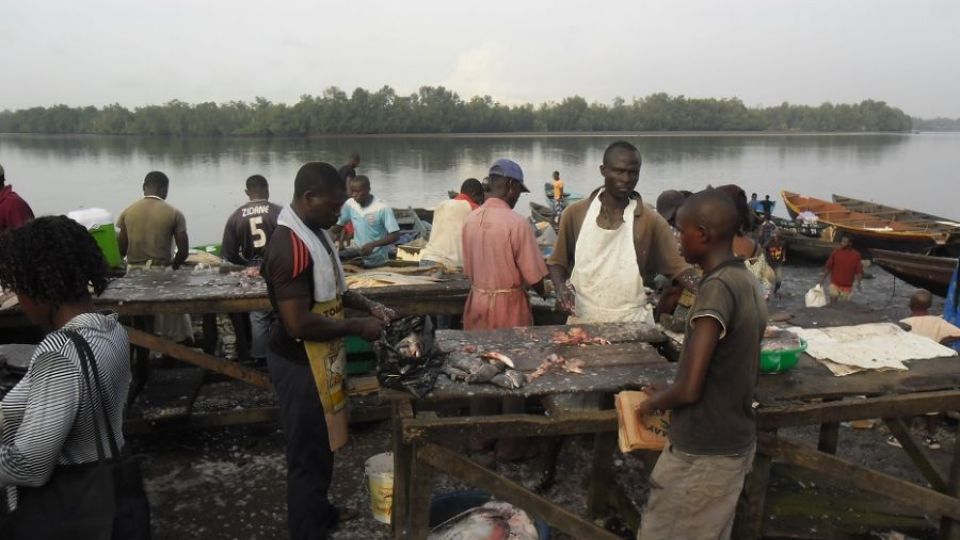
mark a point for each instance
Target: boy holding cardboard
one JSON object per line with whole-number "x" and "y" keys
{"x": 698, "y": 477}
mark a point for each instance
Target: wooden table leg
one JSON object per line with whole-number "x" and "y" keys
{"x": 402, "y": 467}
{"x": 420, "y": 494}
{"x": 210, "y": 333}
{"x": 829, "y": 436}
{"x": 751, "y": 508}
{"x": 950, "y": 529}
{"x": 601, "y": 474}
{"x": 140, "y": 360}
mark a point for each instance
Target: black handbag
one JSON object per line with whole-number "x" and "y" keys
{"x": 104, "y": 500}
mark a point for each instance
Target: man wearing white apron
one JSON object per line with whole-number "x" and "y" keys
{"x": 606, "y": 244}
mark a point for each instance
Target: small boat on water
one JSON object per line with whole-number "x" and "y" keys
{"x": 881, "y": 227}
{"x": 568, "y": 197}
{"x": 808, "y": 248}
{"x": 931, "y": 273}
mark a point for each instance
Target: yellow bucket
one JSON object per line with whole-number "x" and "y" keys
{"x": 379, "y": 473}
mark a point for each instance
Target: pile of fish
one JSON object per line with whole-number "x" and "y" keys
{"x": 407, "y": 355}
{"x": 493, "y": 521}
{"x": 557, "y": 364}
{"x": 776, "y": 339}
{"x": 577, "y": 336}
{"x": 488, "y": 367}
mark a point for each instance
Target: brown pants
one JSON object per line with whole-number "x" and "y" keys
{"x": 693, "y": 497}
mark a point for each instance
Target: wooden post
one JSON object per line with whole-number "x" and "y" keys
{"x": 601, "y": 474}
{"x": 210, "y": 333}
{"x": 751, "y": 508}
{"x": 402, "y": 467}
{"x": 829, "y": 436}
{"x": 140, "y": 360}
{"x": 420, "y": 494}
{"x": 950, "y": 529}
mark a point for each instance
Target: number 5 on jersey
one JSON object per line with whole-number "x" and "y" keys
{"x": 259, "y": 236}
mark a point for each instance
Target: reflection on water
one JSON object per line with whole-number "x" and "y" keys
{"x": 60, "y": 173}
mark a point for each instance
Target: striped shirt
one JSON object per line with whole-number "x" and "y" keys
{"x": 47, "y": 419}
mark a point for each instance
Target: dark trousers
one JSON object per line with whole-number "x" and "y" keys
{"x": 309, "y": 458}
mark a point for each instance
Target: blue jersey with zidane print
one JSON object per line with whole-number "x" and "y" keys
{"x": 370, "y": 223}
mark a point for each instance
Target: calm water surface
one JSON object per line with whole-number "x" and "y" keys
{"x": 61, "y": 173}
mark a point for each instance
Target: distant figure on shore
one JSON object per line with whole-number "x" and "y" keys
{"x": 375, "y": 227}
{"x": 245, "y": 238}
{"x": 844, "y": 268}
{"x": 754, "y": 203}
{"x": 766, "y": 207}
{"x": 446, "y": 236}
{"x": 349, "y": 170}
{"x": 14, "y": 211}
{"x": 148, "y": 230}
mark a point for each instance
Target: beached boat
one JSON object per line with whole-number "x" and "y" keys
{"x": 899, "y": 214}
{"x": 541, "y": 213}
{"x": 813, "y": 230}
{"x": 807, "y": 248}
{"x": 897, "y": 230}
{"x": 931, "y": 273}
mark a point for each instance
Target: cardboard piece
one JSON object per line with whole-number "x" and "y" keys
{"x": 651, "y": 434}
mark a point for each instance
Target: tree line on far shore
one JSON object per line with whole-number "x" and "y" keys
{"x": 439, "y": 110}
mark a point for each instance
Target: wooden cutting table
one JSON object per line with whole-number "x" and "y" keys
{"x": 426, "y": 444}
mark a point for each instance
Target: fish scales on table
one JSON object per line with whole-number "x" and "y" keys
{"x": 494, "y": 520}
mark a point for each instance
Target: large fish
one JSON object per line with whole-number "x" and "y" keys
{"x": 492, "y": 521}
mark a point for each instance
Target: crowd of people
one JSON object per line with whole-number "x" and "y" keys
{"x": 707, "y": 253}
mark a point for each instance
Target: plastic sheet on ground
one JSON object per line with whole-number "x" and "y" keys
{"x": 845, "y": 350}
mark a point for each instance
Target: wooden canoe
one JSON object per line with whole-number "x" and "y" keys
{"x": 540, "y": 212}
{"x": 930, "y": 273}
{"x": 880, "y": 230}
{"x": 807, "y": 248}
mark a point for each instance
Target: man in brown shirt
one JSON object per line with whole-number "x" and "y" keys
{"x": 149, "y": 227}
{"x": 606, "y": 289}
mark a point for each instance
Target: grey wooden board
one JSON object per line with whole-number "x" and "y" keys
{"x": 197, "y": 286}
{"x": 628, "y": 362}
{"x": 16, "y": 356}
{"x": 837, "y": 314}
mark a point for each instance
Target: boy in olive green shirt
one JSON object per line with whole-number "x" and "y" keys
{"x": 698, "y": 477}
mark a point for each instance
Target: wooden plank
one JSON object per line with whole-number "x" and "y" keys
{"x": 169, "y": 348}
{"x": 493, "y": 427}
{"x": 806, "y": 414}
{"x": 919, "y": 457}
{"x": 829, "y": 437}
{"x": 862, "y": 478}
{"x": 603, "y": 380}
{"x": 258, "y": 415}
{"x": 450, "y": 462}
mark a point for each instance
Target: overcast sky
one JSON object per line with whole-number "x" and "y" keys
{"x": 766, "y": 51}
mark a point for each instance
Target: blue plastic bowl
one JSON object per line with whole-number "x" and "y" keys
{"x": 448, "y": 505}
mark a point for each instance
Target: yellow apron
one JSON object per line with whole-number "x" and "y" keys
{"x": 328, "y": 362}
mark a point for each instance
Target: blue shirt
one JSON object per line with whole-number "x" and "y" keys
{"x": 370, "y": 223}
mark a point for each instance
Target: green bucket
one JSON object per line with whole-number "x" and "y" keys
{"x": 106, "y": 237}
{"x": 780, "y": 361}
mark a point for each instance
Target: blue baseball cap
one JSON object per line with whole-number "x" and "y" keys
{"x": 509, "y": 169}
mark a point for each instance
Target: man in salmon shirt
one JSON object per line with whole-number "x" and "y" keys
{"x": 502, "y": 260}
{"x": 844, "y": 268}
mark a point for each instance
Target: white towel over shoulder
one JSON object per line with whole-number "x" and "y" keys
{"x": 328, "y": 279}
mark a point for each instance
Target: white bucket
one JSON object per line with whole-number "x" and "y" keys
{"x": 379, "y": 473}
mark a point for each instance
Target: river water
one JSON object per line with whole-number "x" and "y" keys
{"x": 61, "y": 173}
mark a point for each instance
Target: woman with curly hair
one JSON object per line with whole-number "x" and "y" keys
{"x": 48, "y": 419}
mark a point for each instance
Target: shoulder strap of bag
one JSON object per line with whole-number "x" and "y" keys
{"x": 89, "y": 366}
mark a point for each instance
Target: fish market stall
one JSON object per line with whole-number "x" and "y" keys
{"x": 550, "y": 360}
